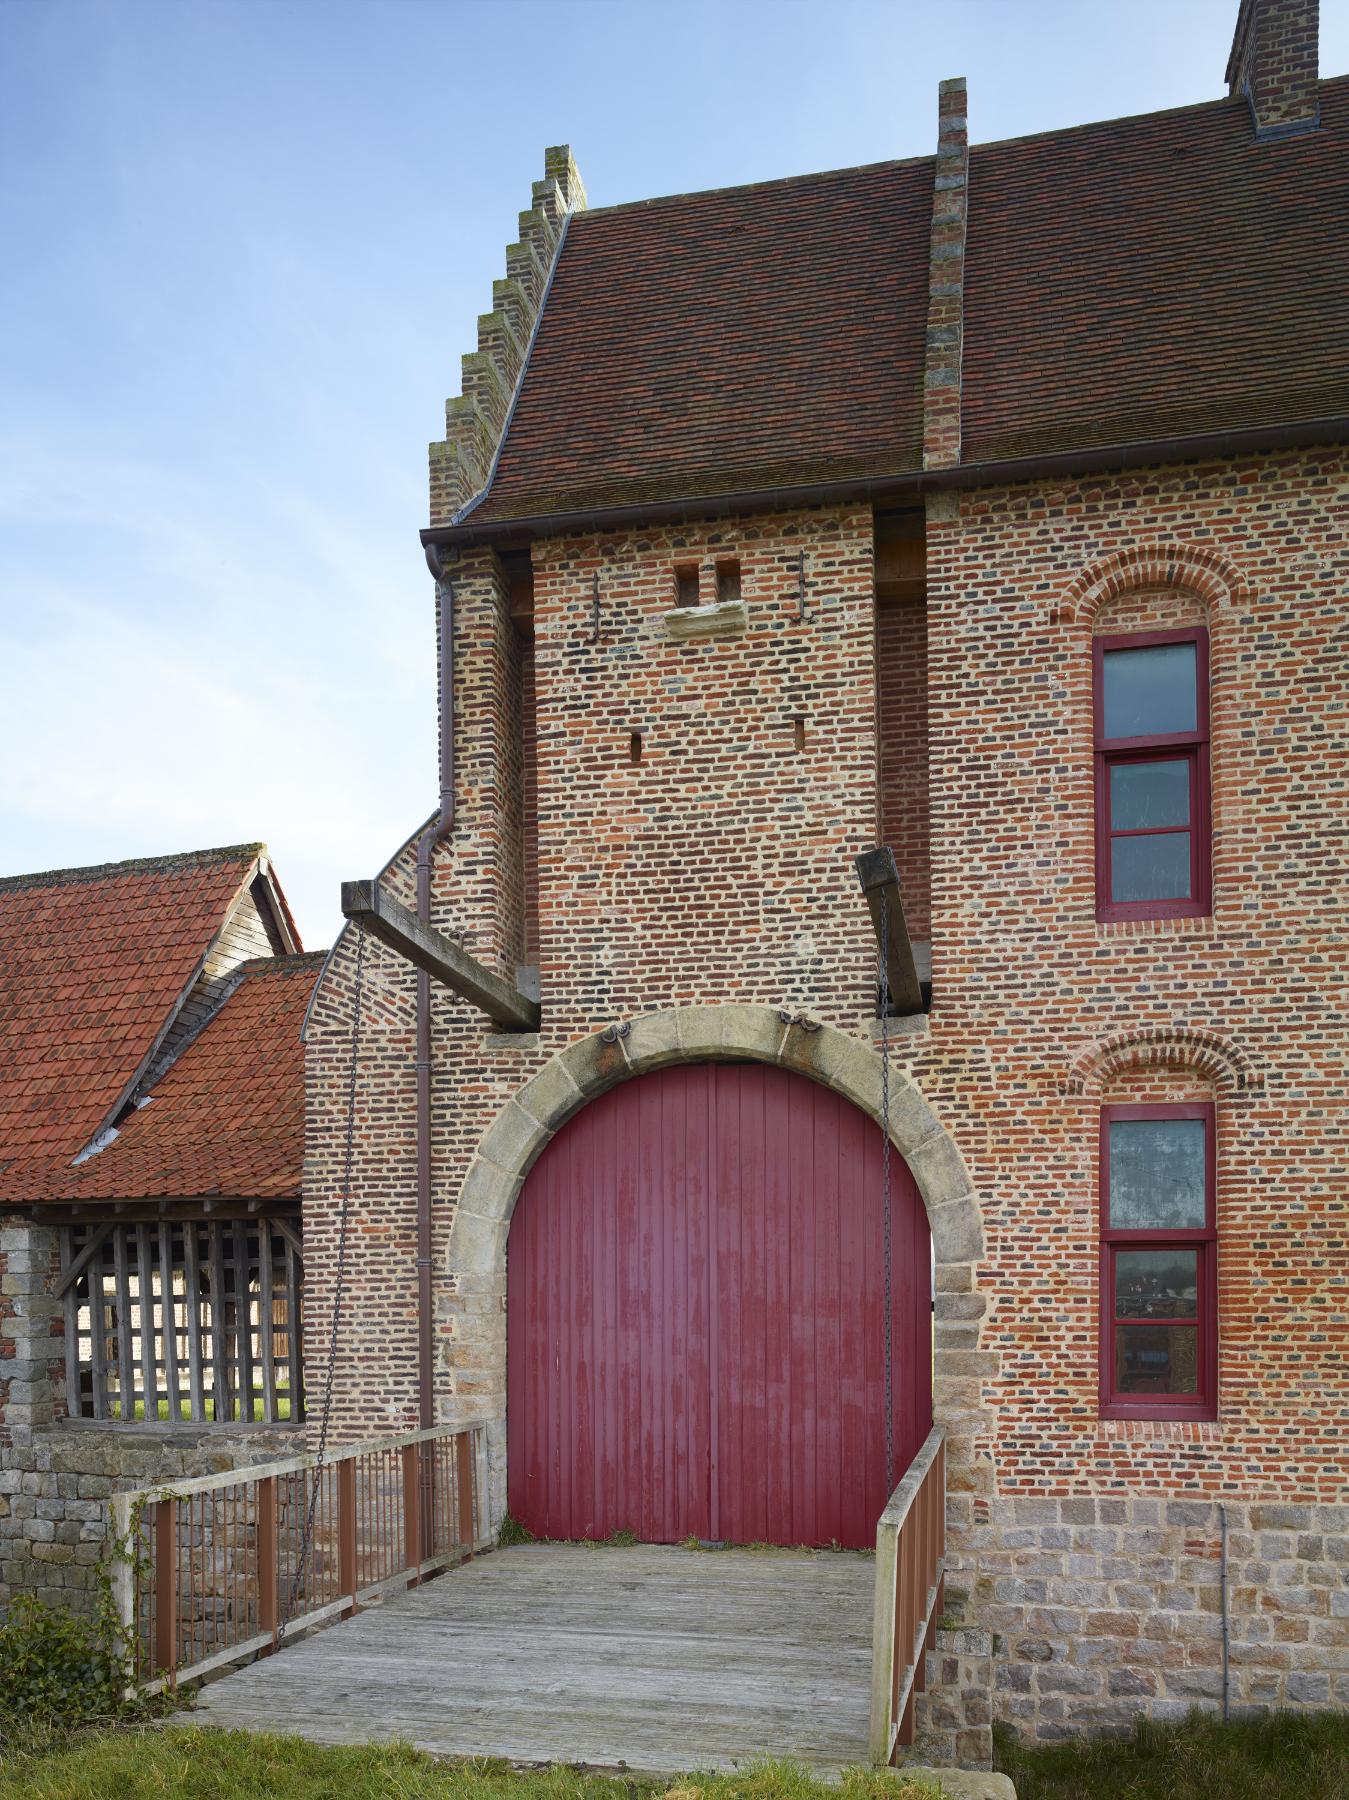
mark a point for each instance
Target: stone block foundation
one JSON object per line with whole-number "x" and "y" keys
{"x": 1102, "y": 1609}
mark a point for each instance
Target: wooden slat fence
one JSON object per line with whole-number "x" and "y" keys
{"x": 910, "y": 1579}
{"x": 213, "y": 1561}
{"x": 183, "y": 1319}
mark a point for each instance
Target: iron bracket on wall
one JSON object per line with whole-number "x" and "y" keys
{"x": 393, "y": 924}
{"x": 880, "y": 883}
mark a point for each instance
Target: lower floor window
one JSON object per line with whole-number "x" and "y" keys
{"x": 1159, "y": 1269}
{"x": 172, "y": 1320}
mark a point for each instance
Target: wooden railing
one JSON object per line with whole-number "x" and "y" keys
{"x": 910, "y": 1572}
{"x": 209, "y": 1571}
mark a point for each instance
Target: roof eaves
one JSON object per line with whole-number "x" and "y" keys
{"x": 1075, "y": 459}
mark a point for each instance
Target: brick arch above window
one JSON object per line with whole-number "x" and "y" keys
{"x": 1138, "y": 609}
{"x": 1203, "y": 1054}
{"x": 1217, "y": 582}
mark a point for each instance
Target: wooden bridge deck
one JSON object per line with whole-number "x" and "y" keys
{"x": 661, "y": 1659}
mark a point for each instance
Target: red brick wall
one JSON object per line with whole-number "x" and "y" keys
{"x": 1025, "y": 978}
{"x": 719, "y": 870}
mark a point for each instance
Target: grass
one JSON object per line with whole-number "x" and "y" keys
{"x": 192, "y": 1764}
{"x": 1283, "y": 1756}
{"x": 258, "y": 1409}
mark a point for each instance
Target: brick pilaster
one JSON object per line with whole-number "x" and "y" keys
{"x": 946, "y": 281}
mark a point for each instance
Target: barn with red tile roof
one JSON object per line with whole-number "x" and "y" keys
{"x": 152, "y": 1133}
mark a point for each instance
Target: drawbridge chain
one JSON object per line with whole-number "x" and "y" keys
{"x": 307, "y": 1536}
{"x": 885, "y": 1204}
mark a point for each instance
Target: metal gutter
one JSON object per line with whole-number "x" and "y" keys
{"x": 434, "y": 835}
{"x": 889, "y": 489}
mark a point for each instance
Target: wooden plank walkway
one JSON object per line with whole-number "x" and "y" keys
{"x": 657, "y": 1658}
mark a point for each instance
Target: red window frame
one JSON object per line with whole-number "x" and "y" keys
{"x": 1203, "y": 1403}
{"x": 1193, "y": 746}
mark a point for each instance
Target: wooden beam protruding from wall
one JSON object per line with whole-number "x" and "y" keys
{"x": 880, "y": 883}
{"x": 365, "y": 903}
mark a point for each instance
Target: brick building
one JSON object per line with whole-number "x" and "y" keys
{"x": 993, "y": 506}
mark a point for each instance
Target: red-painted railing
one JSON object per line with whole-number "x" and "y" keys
{"x": 910, "y": 1573}
{"x": 211, "y": 1569}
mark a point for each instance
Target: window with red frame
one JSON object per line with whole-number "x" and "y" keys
{"x": 1159, "y": 1263}
{"x": 1152, "y": 775}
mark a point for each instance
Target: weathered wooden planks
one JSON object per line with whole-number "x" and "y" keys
{"x": 663, "y": 1659}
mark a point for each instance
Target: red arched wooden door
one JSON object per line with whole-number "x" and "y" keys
{"x": 695, "y": 1331}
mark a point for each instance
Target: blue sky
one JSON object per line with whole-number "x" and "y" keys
{"x": 244, "y": 247}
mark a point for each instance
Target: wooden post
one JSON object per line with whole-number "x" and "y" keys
{"x": 346, "y": 1532}
{"x": 444, "y": 960}
{"x": 883, "y": 1644}
{"x": 268, "y": 1575}
{"x": 123, "y": 1570}
{"x": 168, "y": 1314}
{"x": 880, "y": 883}
{"x": 463, "y": 1447}
{"x": 98, "y": 1334}
{"x": 266, "y": 1320}
{"x": 126, "y": 1368}
{"x": 192, "y": 1285}
{"x": 145, "y": 1280}
{"x": 243, "y": 1322}
{"x": 166, "y": 1588}
{"x": 413, "y": 1537}
{"x": 222, "y": 1407}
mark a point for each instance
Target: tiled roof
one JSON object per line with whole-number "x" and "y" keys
{"x": 228, "y": 1117}
{"x": 1156, "y": 276}
{"x": 754, "y": 336}
{"x": 92, "y": 965}
{"x": 1137, "y": 279}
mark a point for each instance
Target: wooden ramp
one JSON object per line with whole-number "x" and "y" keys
{"x": 661, "y": 1659}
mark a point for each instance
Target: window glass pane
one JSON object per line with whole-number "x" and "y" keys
{"x": 1149, "y": 691}
{"x": 1150, "y": 868}
{"x": 1156, "y": 1284}
{"x": 1156, "y": 1174}
{"x": 1156, "y": 1359}
{"x": 1144, "y": 794}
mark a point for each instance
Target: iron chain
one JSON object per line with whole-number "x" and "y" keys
{"x": 885, "y": 1205}
{"x": 307, "y": 1536}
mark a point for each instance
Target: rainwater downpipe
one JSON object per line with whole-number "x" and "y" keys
{"x": 434, "y": 835}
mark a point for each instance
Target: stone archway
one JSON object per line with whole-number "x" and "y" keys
{"x": 588, "y": 1068}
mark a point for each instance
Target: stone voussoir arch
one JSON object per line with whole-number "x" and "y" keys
{"x": 1217, "y": 581}
{"x": 589, "y": 1067}
{"x": 1182, "y": 1047}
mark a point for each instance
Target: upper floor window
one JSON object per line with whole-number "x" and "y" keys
{"x": 1159, "y": 1272}
{"x": 1152, "y": 774}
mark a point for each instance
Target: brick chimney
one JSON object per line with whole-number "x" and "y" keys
{"x": 1274, "y": 64}
{"x": 946, "y": 281}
